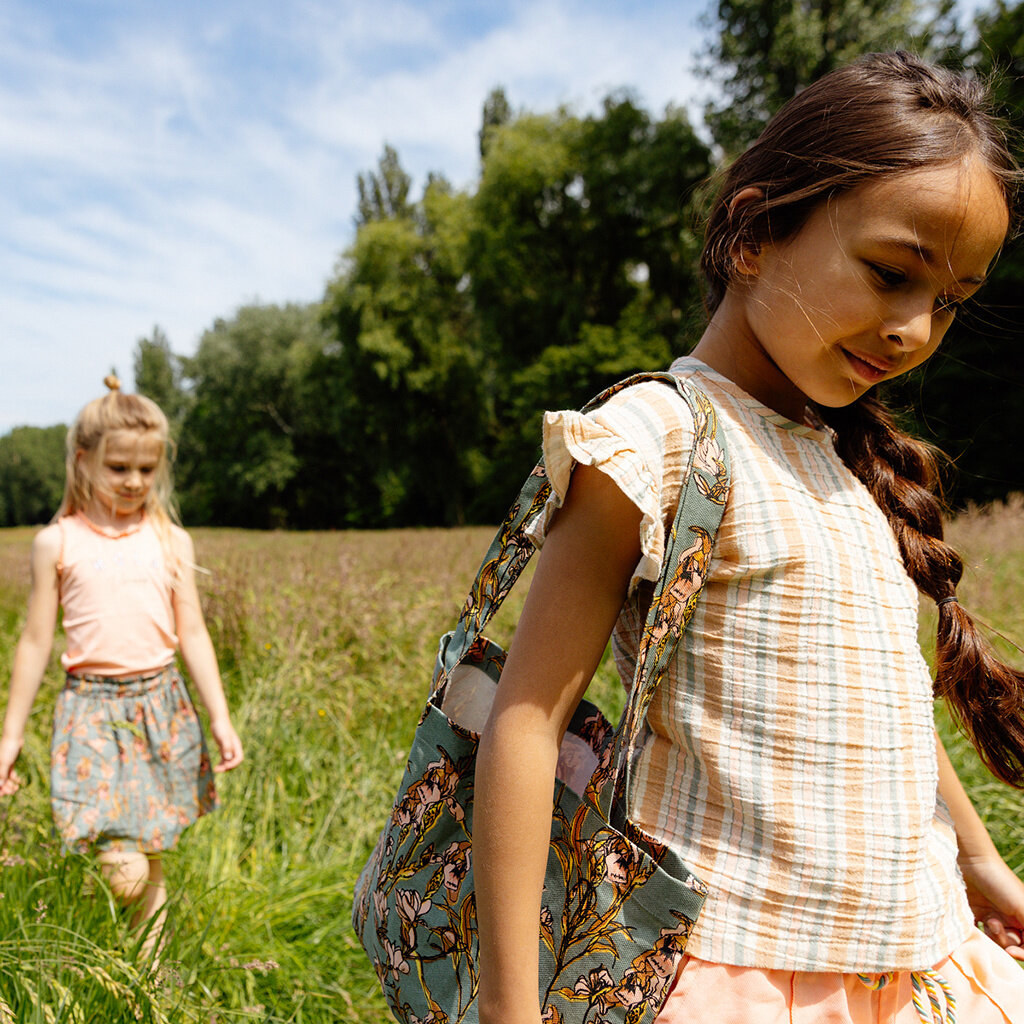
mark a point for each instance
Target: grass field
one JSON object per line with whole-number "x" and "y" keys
{"x": 326, "y": 644}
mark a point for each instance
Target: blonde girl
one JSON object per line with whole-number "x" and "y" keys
{"x": 129, "y": 767}
{"x": 790, "y": 755}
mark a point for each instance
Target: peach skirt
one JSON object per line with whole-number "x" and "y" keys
{"x": 978, "y": 983}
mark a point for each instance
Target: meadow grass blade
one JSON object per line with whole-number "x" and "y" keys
{"x": 326, "y": 642}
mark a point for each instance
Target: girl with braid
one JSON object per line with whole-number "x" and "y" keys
{"x": 790, "y": 757}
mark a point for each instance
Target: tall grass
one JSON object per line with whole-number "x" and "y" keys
{"x": 992, "y": 542}
{"x": 326, "y": 644}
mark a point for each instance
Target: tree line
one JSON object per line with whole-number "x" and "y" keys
{"x": 412, "y": 393}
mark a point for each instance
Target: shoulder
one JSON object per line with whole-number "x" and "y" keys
{"x": 181, "y": 543}
{"x": 46, "y": 553}
{"x": 651, "y": 414}
{"x": 664, "y": 392}
{"x": 47, "y": 543}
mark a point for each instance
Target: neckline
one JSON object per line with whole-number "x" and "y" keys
{"x": 110, "y": 531}
{"x": 766, "y": 413}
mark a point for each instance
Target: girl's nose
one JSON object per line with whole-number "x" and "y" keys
{"x": 910, "y": 328}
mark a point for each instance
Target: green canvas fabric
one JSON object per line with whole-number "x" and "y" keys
{"x": 617, "y": 908}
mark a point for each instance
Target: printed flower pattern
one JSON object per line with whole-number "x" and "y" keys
{"x": 414, "y": 908}
{"x": 130, "y": 768}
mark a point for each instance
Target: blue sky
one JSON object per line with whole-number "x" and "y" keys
{"x": 165, "y": 163}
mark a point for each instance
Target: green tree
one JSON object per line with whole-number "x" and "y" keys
{"x": 384, "y": 193}
{"x": 158, "y": 375}
{"x": 31, "y": 474}
{"x": 582, "y": 248}
{"x": 524, "y": 245}
{"x": 967, "y": 399}
{"x": 237, "y": 463}
{"x": 403, "y": 370}
{"x": 970, "y": 398}
{"x": 497, "y": 112}
{"x": 765, "y": 51}
{"x": 575, "y": 219}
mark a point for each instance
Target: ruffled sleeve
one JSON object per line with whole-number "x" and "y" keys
{"x": 641, "y": 439}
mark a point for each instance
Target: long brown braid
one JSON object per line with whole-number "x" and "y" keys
{"x": 884, "y": 114}
{"x": 901, "y": 473}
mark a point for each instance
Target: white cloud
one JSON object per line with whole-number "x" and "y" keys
{"x": 164, "y": 164}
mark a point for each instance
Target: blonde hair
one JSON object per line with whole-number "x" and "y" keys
{"x": 88, "y": 435}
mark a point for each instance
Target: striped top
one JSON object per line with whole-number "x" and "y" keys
{"x": 791, "y": 750}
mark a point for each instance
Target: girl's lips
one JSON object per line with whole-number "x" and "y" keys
{"x": 873, "y": 371}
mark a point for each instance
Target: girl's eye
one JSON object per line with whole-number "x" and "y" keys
{"x": 889, "y": 278}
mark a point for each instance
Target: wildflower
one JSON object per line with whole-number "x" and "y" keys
{"x": 169, "y": 976}
{"x": 260, "y": 966}
{"x": 321, "y": 712}
{"x": 40, "y": 909}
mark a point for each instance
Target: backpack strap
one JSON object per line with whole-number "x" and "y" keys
{"x": 688, "y": 548}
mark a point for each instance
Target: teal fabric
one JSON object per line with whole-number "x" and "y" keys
{"x": 129, "y": 768}
{"x": 617, "y": 908}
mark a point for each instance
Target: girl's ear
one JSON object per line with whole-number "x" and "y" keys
{"x": 744, "y": 251}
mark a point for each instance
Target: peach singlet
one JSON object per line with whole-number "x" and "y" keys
{"x": 115, "y": 590}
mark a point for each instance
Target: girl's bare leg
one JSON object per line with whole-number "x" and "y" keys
{"x": 136, "y": 877}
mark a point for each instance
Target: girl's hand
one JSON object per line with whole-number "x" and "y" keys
{"x": 231, "y": 753}
{"x": 996, "y": 896}
{"x": 995, "y": 893}
{"x": 10, "y": 781}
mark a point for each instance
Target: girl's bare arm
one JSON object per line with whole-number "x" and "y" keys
{"x": 577, "y": 592}
{"x": 995, "y": 893}
{"x": 200, "y": 658}
{"x": 32, "y": 653}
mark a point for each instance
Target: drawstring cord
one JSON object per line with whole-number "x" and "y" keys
{"x": 875, "y": 981}
{"x": 933, "y": 998}
{"x": 935, "y": 986}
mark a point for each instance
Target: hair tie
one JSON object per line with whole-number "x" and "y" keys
{"x": 947, "y": 600}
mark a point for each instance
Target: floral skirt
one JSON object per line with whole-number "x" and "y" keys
{"x": 978, "y": 983}
{"x": 129, "y": 765}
